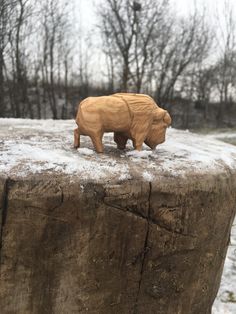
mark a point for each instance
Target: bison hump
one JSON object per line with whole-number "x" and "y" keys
{"x": 138, "y": 102}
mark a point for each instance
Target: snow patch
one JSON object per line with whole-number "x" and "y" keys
{"x": 124, "y": 176}
{"x": 225, "y": 301}
{"x": 139, "y": 154}
{"x": 85, "y": 151}
{"x": 147, "y": 176}
{"x": 34, "y": 146}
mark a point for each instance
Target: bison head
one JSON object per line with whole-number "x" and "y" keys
{"x": 156, "y": 135}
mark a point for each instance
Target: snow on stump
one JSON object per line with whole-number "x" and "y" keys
{"x": 122, "y": 232}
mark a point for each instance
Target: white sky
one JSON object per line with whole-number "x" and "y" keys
{"x": 88, "y": 17}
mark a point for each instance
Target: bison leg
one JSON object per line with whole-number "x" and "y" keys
{"x": 138, "y": 143}
{"x": 97, "y": 141}
{"x": 141, "y": 124}
{"x": 138, "y": 147}
{"x": 120, "y": 140}
{"x": 76, "y": 138}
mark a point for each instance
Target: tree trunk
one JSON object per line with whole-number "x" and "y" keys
{"x": 2, "y": 93}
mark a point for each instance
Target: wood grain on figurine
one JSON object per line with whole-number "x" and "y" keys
{"x": 129, "y": 116}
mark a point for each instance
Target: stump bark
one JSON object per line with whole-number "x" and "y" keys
{"x": 71, "y": 246}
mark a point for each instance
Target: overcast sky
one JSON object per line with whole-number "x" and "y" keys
{"x": 183, "y": 7}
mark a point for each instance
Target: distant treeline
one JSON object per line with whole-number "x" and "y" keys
{"x": 185, "y": 63}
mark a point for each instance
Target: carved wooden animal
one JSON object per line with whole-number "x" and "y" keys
{"x": 129, "y": 116}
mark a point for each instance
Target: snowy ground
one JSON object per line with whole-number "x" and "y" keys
{"x": 225, "y": 302}
{"x": 36, "y": 146}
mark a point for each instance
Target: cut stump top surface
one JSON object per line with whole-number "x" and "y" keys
{"x": 29, "y": 147}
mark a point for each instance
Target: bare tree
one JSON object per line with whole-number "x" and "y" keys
{"x": 127, "y": 27}
{"x": 56, "y": 51}
{"x": 182, "y": 43}
{"x": 152, "y": 45}
{"x": 6, "y": 9}
{"x": 17, "y": 58}
{"x": 24, "y": 12}
{"x": 225, "y": 69}
{"x": 112, "y": 54}
{"x": 35, "y": 57}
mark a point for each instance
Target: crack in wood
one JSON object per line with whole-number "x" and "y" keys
{"x": 149, "y": 219}
{"x": 145, "y": 251}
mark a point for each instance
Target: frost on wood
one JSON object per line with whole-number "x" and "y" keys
{"x": 35, "y": 146}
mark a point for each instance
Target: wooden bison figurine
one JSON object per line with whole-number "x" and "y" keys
{"x": 129, "y": 116}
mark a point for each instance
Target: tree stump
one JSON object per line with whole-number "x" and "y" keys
{"x": 153, "y": 241}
